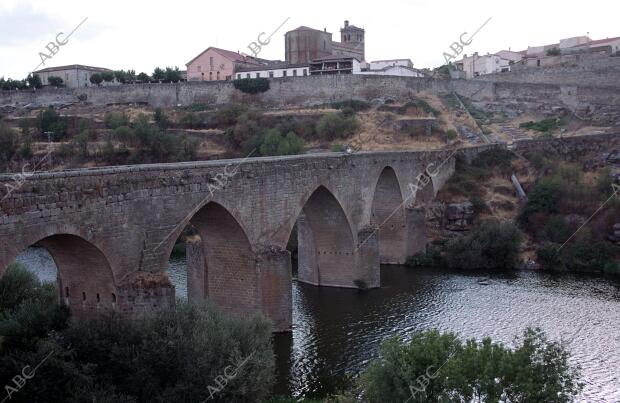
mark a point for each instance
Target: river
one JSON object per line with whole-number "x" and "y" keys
{"x": 337, "y": 331}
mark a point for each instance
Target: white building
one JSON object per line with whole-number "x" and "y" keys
{"x": 291, "y": 70}
{"x": 475, "y": 65}
{"x": 73, "y": 76}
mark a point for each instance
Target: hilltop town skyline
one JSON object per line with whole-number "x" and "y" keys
{"x": 109, "y": 37}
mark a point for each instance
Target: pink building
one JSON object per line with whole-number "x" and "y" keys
{"x": 217, "y": 64}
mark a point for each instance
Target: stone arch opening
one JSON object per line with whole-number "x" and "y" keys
{"x": 84, "y": 278}
{"x": 388, "y": 215}
{"x": 220, "y": 262}
{"x": 326, "y": 246}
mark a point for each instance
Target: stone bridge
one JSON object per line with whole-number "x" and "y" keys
{"x": 111, "y": 230}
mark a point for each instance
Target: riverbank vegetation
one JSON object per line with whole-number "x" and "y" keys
{"x": 186, "y": 354}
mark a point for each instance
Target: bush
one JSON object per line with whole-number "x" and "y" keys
{"x": 125, "y": 135}
{"x": 55, "y": 81}
{"x": 451, "y": 134}
{"x": 115, "y": 120}
{"x": 354, "y": 104}
{"x": 96, "y": 79}
{"x": 436, "y": 367}
{"x": 228, "y": 115}
{"x": 161, "y": 119}
{"x": 334, "y": 125}
{"x": 491, "y": 245}
{"x": 429, "y": 257}
{"x": 51, "y": 121}
{"x": 544, "y": 198}
{"x": 545, "y": 125}
{"x": 273, "y": 143}
{"x": 9, "y": 143}
{"x": 252, "y": 85}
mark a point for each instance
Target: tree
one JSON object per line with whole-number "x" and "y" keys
{"x": 107, "y": 76}
{"x": 554, "y": 52}
{"x": 436, "y": 367}
{"x": 252, "y": 85}
{"x": 158, "y": 74}
{"x": 55, "y": 81}
{"x": 172, "y": 75}
{"x": 34, "y": 81}
{"x": 120, "y": 76}
{"x": 491, "y": 245}
{"x": 143, "y": 77}
{"x": 96, "y": 79}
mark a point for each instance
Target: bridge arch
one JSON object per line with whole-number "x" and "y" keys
{"x": 388, "y": 216}
{"x": 221, "y": 261}
{"x": 326, "y": 241}
{"x": 85, "y": 279}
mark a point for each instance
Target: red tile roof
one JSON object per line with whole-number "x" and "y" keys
{"x": 230, "y": 55}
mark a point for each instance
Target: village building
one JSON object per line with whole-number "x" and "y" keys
{"x": 304, "y": 44}
{"x": 73, "y": 76}
{"x": 273, "y": 71}
{"x": 215, "y": 64}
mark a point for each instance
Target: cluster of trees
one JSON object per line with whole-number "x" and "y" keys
{"x": 150, "y": 141}
{"x": 554, "y": 214}
{"x": 32, "y": 81}
{"x": 179, "y": 354}
{"x": 252, "y": 85}
{"x": 166, "y": 75}
{"x": 435, "y": 367}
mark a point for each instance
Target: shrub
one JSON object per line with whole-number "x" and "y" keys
{"x": 338, "y": 148}
{"x": 354, "y": 104}
{"x": 334, "y": 125}
{"x": 553, "y": 52}
{"x": 491, "y": 245}
{"x": 125, "y": 135}
{"x": 9, "y": 142}
{"x": 96, "y": 79}
{"x": 161, "y": 119}
{"x": 248, "y": 124}
{"x": 420, "y": 105}
{"x": 51, "y": 121}
{"x": 107, "y": 76}
{"x": 544, "y": 198}
{"x": 429, "y": 257}
{"x": 451, "y": 134}
{"x": 545, "y": 125}
{"x": 228, "y": 115}
{"x": 436, "y": 367}
{"x": 273, "y": 143}
{"x": 252, "y": 85}
{"x": 55, "y": 81}
{"x": 115, "y": 120}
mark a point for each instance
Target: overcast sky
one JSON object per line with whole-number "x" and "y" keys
{"x": 124, "y": 34}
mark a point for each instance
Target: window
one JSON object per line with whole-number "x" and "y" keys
{"x": 67, "y": 292}
{"x": 284, "y": 73}
{"x": 538, "y": 63}
{"x": 295, "y": 73}
{"x": 257, "y": 75}
{"x": 305, "y": 72}
{"x": 98, "y": 298}
{"x": 210, "y": 75}
{"x": 199, "y": 68}
{"x": 247, "y": 75}
{"x": 113, "y": 297}
{"x": 218, "y": 75}
{"x": 211, "y": 62}
{"x": 83, "y": 296}
{"x": 271, "y": 74}
{"x": 238, "y": 76}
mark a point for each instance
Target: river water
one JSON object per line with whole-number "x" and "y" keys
{"x": 337, "y": 331}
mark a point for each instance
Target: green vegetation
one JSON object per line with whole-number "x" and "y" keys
{"x": 175, "y": 355}
{"x": 107, "y": 76}
{"x": 55, "y": 81}
{"x": 167, "y": 75}
{"x": 490, "y": 245}
{"x": 556, "y": 209}
{"x": 354, "y": 104}
{"x": 96, "y": 79}
{"x": 467, "y": 178}
{"x": 274, "y": 143}
{"x": 436, "y": 367}
{"x": 336, "y": 126}
{"x": 421, "y": 105}
{"x": 114, "y": 120}
{"x": 9, "y": 143}
{"x": 553, "y": 52}
{"x": 252, "y": 85}
{"x": 451, "y": 134}
{"x": 545, "y": 125}
{"x": 51, "y": 121}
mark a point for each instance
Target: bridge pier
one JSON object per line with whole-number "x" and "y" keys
{"x": 415, "y": 217}
{"x": 275, "y": 289}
